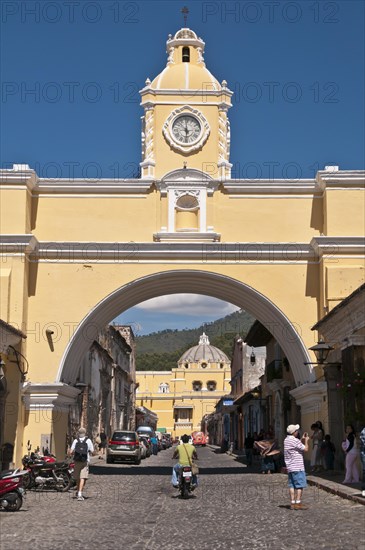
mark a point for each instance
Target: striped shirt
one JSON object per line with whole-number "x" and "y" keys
{"x": 293, "y": 454}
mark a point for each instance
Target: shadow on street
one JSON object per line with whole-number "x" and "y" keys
{"x": 123, "y": 469}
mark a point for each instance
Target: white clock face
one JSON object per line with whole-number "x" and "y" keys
{"x": 186, "y": 129}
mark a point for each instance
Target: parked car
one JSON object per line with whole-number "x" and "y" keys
{"x": 147, "y": 443}
{"x": 145, "y": 430}
{"x": 143, "y": 447}
{"x": 124, "y": 445}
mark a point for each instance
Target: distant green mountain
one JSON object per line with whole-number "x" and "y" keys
{"x": 161, "y": 350}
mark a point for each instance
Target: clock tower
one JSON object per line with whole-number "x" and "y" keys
{"x": 185, "y": 119}
{"x": 185, "y": 138}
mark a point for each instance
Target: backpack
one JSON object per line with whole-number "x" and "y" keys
{"x": 81, "y": 451}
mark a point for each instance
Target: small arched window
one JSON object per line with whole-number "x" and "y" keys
{"x": 186, "y": 54}
{"x": 163, "y": 388}
{"x": 204, "y": 365}
{"x": 197, "y": 385}
{"x": 211, "y": 385}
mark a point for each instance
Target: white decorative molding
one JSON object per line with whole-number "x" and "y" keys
{"x": 98, "y": 187}
{"x": 57, "y": 396}
{"x": 324, "y": 245}
{"x": 18, "y": 244}
{"x": 310, "y": 396}
{"x": 332, "y": 179}
{"x": 200, "y": 140}
{"x": 272, "y": 187}
{"x": 97, "y": 251}
{"x": 187, "y": 236}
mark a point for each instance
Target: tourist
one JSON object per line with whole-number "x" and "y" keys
{"x": 351, "y": 453}
{"x": 293, "y": 456}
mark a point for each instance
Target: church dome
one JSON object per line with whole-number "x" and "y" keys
{"x": 185, "y": 69}
{"x": 204, "y": 352}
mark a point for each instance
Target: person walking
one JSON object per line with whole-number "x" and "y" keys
{"x": 293, "y": 457}
{"x": 154, "y": 445}
{"x": 103, "y": 440}
{"x": 328, "y": 451}
{"x": 81, "y": 448}
{"x": 317, "y": 439}
{"x": 362, "y": 456}
{"x": 351, "y": 453}
{"x": 249, "y": 441}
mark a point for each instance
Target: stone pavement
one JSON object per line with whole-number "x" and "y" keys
{"x": 135, "y": 507}
{"x": 327, "y": 481}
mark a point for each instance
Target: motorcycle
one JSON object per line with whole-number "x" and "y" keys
{"x": 185, "y": 481}
{"x": 44, "y": 474}
{"x": 11, "y": 490}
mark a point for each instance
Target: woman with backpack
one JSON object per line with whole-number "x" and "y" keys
{"x": 81, "y": 449}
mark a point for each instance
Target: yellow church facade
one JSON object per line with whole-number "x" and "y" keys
{"x": 183, "y": 396}
{"x": 76, "y": 253}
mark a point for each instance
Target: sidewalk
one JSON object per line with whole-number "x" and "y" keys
{"x": 327, "y": 481}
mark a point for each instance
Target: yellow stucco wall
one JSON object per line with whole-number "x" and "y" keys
{"x": 41, "y": 289}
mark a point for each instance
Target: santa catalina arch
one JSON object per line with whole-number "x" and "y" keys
{"x": 75, "y": 253}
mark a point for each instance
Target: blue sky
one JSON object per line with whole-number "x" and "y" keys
{"x": 71, "y": 72}
{"x": 176, "y": 311}
{"x": 297, "y": 70}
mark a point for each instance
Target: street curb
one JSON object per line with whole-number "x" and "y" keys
{"x": 336, "y": 489}
{"x": 328, "y": 486}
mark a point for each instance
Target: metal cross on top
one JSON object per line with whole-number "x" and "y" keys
{"x": 185, "y": 12}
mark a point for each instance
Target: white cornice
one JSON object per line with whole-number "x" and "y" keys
{"x": 187, "y": 236}
{"x": 310, "y": 396}
{"x": 102, "y": 186}
{"x": 18, "y": 244}
{"x": 277, "y": 186}
{"x": 191, "y": 93}
{"x": 18, "y": 178}
{"x": 87, "y": 252}
{"x": 49, "y": 396}
{"x": 180, "y": 246}
{"x": 341, "y": 179}
{"x": 324, "y": 246}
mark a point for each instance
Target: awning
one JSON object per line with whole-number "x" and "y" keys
{"x": 182, "y": 405}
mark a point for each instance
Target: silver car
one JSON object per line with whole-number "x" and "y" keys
{"x": 124, "y": 445}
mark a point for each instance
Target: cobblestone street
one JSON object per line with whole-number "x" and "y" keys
{"x": 135, "y": 507}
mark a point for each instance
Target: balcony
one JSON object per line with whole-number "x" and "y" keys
{"x": 183, "y": 425}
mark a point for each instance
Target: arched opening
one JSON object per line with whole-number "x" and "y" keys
{"x": 186, "y": 54}
{"x": 203, "y": 282}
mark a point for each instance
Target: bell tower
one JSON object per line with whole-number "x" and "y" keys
{"x": 185, "y": 122}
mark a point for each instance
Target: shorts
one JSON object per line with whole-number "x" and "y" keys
{"x": 297, "y": 480}
{"x": 81, "y": 470}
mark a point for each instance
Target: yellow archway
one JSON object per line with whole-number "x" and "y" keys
{"x": 201, "y": 282}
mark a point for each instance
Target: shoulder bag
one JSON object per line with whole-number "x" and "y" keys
{"x": 194, "y": 467}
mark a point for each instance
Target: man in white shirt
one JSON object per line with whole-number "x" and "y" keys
{"x": 81, "y": 471}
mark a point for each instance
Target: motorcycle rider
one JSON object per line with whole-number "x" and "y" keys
{"x": 185, "y": 452}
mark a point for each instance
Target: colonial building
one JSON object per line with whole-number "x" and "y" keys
{"x": 248, "y": 365}
{"x": 343, "y": 370}
{"x": 13, "y": 371}
{"x": 107, "y": 384}
{"x": 183, "y": 396}
{"x": 285, "y": 251}
{"x": 277, "y": 406}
